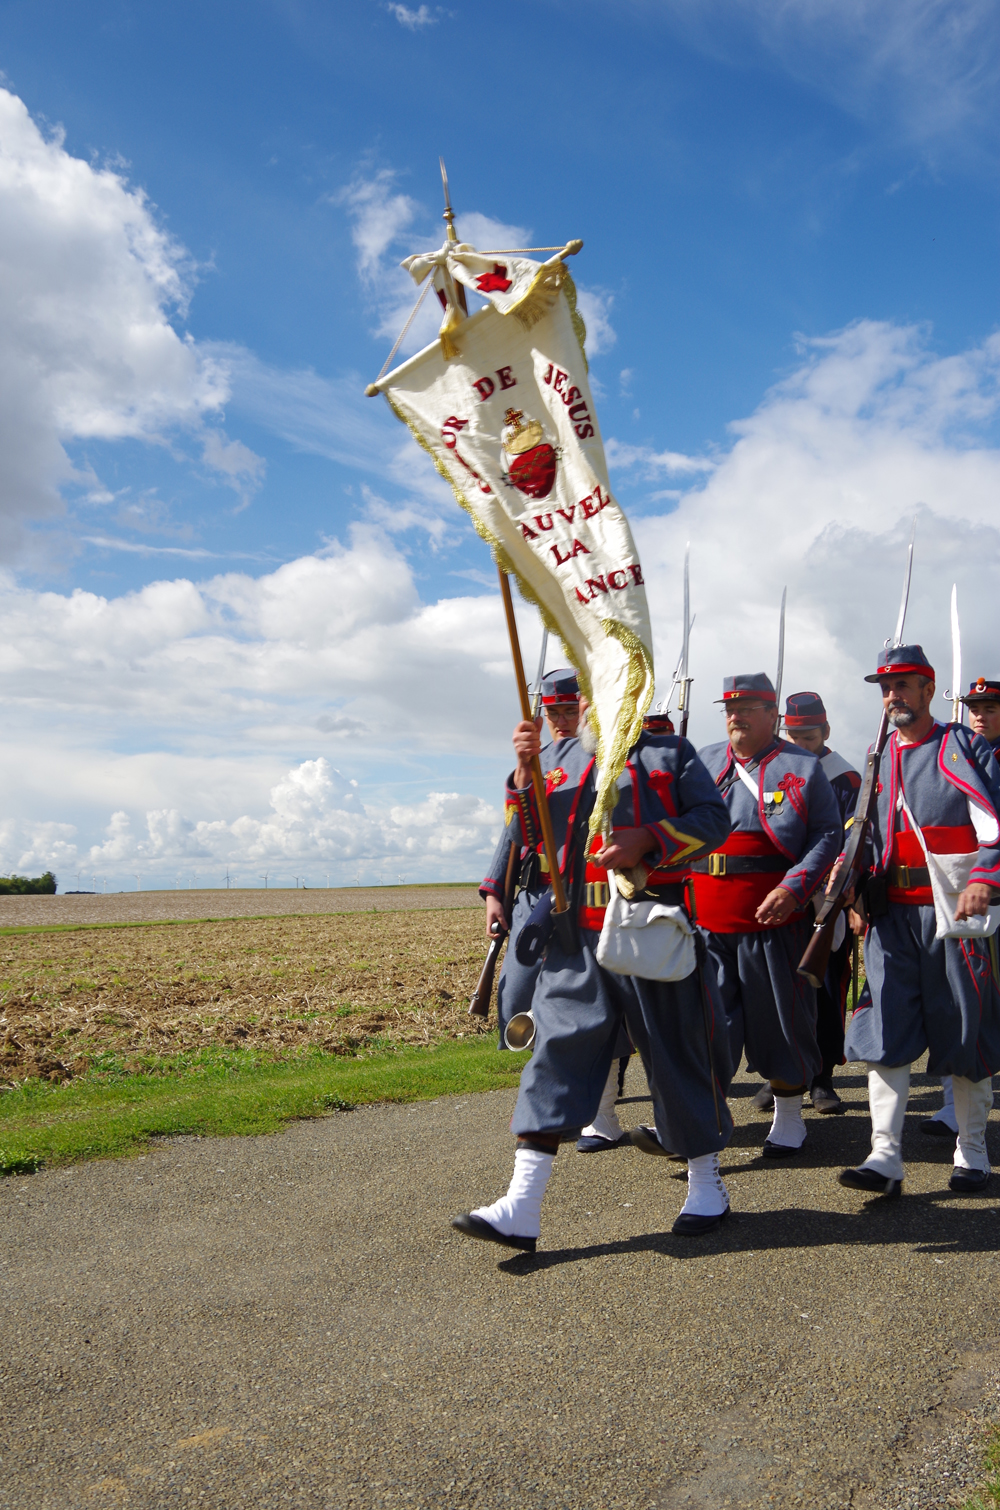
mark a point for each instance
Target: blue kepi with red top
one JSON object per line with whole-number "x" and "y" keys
{"x": 560, "y": 687}
{"x": 901, "y": 660}
{"x": 755, "y": 684}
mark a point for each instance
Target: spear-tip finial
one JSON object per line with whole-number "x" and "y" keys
{"x": 449, "y": 213}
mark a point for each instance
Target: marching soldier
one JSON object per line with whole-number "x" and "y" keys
{"x": 751, "y": 897}
{"x": 983, "y": 703}
{"x": 938, "y": 800}
{"x": 806, "y": 725}
{"x": 668, "y": 811}
{"x": 561, "y": 707}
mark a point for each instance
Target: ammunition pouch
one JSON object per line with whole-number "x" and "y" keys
{"x": 874, "y": 893}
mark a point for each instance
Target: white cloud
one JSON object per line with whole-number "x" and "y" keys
{"x": 929, "y": 68}
{"x": 413, "y": 20}
{"x": 818, "y": 493}
{"x": 241, "y": 468}
{"x": 595, "y": 306}
{"x": 649, "y": 463}
{"x": 89, "y": 281}
{"x": 180, "y": 707}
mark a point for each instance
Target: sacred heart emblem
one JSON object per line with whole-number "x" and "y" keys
{"x": 555, "y": 778}
{"x": 531, "y": 461}
{"x": 495, "y": 282}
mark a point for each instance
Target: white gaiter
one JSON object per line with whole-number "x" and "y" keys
{"x": 888, "y": 1093}
{"x": 973, "y": 1103}
{"x": 519, "y": 1212}
{"x": 606, "y": 1123}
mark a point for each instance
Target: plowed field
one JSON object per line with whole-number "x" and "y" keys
{"x": 136, "y": 998}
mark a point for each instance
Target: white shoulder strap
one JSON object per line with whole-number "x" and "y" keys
{"x": 911, "y": 820}
{"x": 747, "y": 780}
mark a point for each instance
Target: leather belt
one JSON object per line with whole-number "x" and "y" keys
{"x": 671, "y": 894}
{"x": 909, "y": 877}
{"x": 739, "y": 865}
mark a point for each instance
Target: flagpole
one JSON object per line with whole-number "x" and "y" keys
{"x": 537, "y": 779}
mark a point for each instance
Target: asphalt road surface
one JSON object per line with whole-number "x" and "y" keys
{"x": 290, "y": 1321}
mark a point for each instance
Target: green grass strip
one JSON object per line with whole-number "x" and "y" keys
{"x": 988, "y": 1496}
{"x": 110, "y": 1114}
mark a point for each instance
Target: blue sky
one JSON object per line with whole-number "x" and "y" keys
{"x": 789, "y": 274}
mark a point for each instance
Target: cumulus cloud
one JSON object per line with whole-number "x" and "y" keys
{"x": 178, "y": 708}
{"x": 89, "y": 284}
{"x": 818, "y": 493}
{"x": 316, "y": 824}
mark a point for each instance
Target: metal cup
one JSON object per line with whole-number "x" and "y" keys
{"x": 520, "y": 1031}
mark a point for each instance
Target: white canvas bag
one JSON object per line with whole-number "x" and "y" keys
{"x": 949, "y": 877}
{"x": 649, "y": 938}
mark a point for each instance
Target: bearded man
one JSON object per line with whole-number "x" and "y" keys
{"x": 933, "y": 866}
{"x": 751, "y": 897}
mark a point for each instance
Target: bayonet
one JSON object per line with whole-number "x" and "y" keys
{"x": 536, "y": 701}
{"x": 781, "y": 650}
{"x": 956, "y": 660}
{"x": 898, "y": 640}
{"x": 684, "y": 701}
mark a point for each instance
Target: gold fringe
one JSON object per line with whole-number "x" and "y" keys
{"x": 569, "y": 289}
{"x": 628, "y": 727}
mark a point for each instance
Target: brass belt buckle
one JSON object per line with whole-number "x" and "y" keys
{"x": 717, "y": 865}
{"x": 903, "y": 877}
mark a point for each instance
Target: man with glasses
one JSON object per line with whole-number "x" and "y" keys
{"x": 751, "y": 897}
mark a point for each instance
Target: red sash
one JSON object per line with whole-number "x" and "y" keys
{"x": 906, "y": 851}
{"x": 726, "y": 904}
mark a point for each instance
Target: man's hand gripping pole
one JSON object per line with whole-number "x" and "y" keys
{"x": 560, "y": 910}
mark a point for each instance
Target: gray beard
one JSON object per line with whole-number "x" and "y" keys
{"x": 902, "y": 717}
{"x": 588, "y": 739}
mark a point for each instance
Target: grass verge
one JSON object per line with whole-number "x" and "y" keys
{"x": 987, "y": 1497}
{"x": 112, "y": 1112}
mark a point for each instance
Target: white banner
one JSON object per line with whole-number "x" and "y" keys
{"x": 508, "y": 417}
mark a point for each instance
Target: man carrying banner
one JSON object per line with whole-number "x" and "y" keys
{"x": 502, "y": 404}
{"x": 931, "y": 983}
{"x": 561, "y": 707}
{"x": 751, "y": 897}
{"x": 806, "y": 725}
{"x": 667, "y": 812}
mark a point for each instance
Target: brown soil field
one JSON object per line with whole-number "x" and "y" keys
{"x": 346, "y": 984}
{"x": 214, "y": 902}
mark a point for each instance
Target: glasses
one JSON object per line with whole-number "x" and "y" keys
{"x": 730, "y": 711}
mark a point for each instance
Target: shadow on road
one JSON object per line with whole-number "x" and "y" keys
{"x": 922, "y": 1222}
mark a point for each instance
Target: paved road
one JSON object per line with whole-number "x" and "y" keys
{"x": 289, "y": 1321}
{"x": 166, "y": 906}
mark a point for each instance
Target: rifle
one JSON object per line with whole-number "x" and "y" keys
{"x": 814, "y": 963}
{"x": 479, "y": 1006}
{"x": 684, "y": 701}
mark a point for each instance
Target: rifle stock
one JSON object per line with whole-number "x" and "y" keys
{"x": 479, "y": 1006}
{"x": 814, "y": 962}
